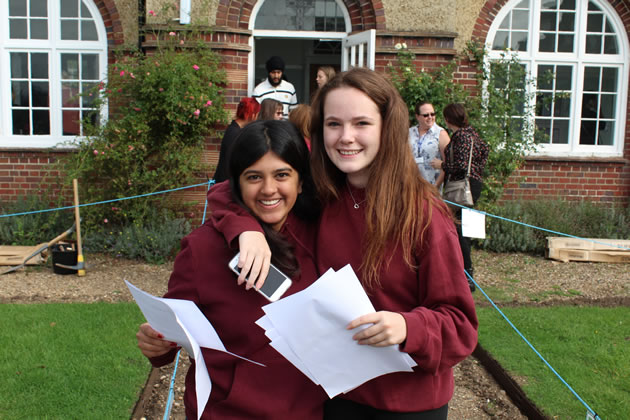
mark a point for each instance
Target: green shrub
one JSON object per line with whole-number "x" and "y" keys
{"x": 583, "y": 219}
{"x": 161, "y": 108}
{"x": 32, "y": 229}
{"x": 155, "y": 241}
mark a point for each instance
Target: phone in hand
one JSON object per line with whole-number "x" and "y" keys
{"x": 275, "y": 284}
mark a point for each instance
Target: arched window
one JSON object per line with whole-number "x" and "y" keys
{"x": 301, "y": 15}
{"x": 578, "y": 53}
{"x": 51, "y": 52}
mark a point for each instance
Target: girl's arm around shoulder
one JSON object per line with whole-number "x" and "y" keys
{"x": 226, "y": 215}
{"x": 442, "y": 329}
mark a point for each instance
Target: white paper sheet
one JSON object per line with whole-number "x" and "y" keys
{"x": 473, "y": 224}
{"x": 313, "y": 324}
{"x": 181, "y": 321}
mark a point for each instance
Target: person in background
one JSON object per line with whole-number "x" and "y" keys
{"x": 270, "y": 109}
{"x": 324, "y": 74}
{"x": 381, "y": 217}
{"x": 269, "y": 163}
{"x": 246, "y": 112}
{"x": 276, "y": 86}
{"x": 300, "y": 116}
{"x": 455, "y": 166}
{"x": 428, "y": 141}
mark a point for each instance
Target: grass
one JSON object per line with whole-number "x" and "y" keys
{"x": 70, "y": 361}
{"x": 588, "y": 346}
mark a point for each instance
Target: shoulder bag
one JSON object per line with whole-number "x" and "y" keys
{"x": 458, "y": 192}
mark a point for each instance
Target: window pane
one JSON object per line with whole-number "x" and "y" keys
{"x": 588, "y": 132}
{"x": 594, "y": 23}
{"x": 39, "y": 8}
{"x": 39, "y": 65}
{"x": 91, "y": 116}
{"x": 606, "y": 133}
{"x": 88, "y": 95}
{"x": 21, "y": 122}
{"x": 549, "y": 4}
{"x": 505, "y": 23}
{"x": 19, "y": 65}
{"x": 85, "y": 12}
{"x": 89, "y": 67}
{"x": 520, "y": 19}
{"x": 607, "y": 106}
{"x": 70, "y": 123}
{"x": 19, "y": 94}
{"x": 545, "y": 77}
{"x": 609, "y": 79}
{"x": 593, "y": 44}
{"x": 547, "y": 42}
{"x": 17, "y": 7}
{"x": 548, "y": 21}
{"x": 519, "y": 41}
{"x": 543, "y": 104}
{"x": 567, "y": 22}
{"x": 589, "y": 106}
{"x": 567, "y": 4}
{"x": 562, "y": 105}
{"x": 69, "y": 66}
{"x": 41, "y": 122}
{"x": 565, "y": 43}
{"x": 69, "y": 29}
{"x": 544, "y": 131}
{"x": 69, "y": 8}
{"x": 591, "y": 79}
{"x": 40, "y": 94}
{"x": 564, "y": 75}
{"x": 70, "y": 94}
{"x": 88, "y": 31}
{"x": 610, "y": 45}
{"x": 560, "y": 132}
{"x": 500, "y": 40}
{"x": 17, "y": 28}
{"x": 39, "y": 29}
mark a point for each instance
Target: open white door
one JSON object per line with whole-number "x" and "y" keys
{"x": 358, "y": 50}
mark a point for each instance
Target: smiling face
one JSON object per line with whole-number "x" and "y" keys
{"x": 321, "y": 78}
{"x": 269, "y": 188}
{"x": 426, "y": 117}
{"x": 352, "y": 132}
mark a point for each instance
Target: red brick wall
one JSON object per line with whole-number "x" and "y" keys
{"x": 599, "y": 181}
{"x": 23, "y": 173}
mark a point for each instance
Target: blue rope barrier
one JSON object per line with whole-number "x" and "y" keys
{"x": 536, "y": 227}
{"x": 105, "y": 202}
{"x": 169, "y": 401}
{"x": 212, "y": 182}
{"x": 532, "y": 347}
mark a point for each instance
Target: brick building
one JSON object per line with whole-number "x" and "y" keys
{"x": 51, "y": 50}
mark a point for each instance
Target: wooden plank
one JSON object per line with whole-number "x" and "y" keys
{"x": 587, "y": 244}
{"x": 566, "y": 255}
{"x": 15, "y": 255}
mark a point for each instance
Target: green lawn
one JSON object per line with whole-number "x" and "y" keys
{"x": 70, "y": 361}
{"x": 588, "y": 346}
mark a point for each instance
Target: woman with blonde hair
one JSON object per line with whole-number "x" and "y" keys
{"x": 324, "y": 74}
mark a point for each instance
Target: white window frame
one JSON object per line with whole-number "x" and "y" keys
{"x": 269, "y": 33}
{"x": 579, "y": 60}
{"x": 54, "y": 47}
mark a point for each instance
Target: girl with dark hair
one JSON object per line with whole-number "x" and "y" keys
{"x": 457, "y": 154}
{"x": 270, "y": 178}
{"x": 246, "y": 112}
{"x": 390, "y": 225}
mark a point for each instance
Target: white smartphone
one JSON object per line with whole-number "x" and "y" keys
{"x": 275, "y": 285}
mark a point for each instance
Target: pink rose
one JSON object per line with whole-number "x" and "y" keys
{"x": 122, "y": 73}
{"x": 196, "y": 67}
{"x": 208, "y": 103}
{"x": 95, "y": 152}
{"x": 151, "y": 13}
{"x": 105, "y": 221}
{"x": 196, "y": 113}
{"x": 172, "y": 33}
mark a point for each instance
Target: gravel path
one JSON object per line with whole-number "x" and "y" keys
{"x": 523, "y": 280}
